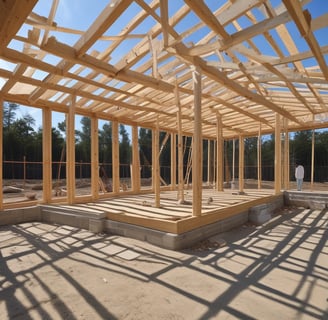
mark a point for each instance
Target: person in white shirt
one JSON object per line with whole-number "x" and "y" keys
{"x": 299, "y": 175}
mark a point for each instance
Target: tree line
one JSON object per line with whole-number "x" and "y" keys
{"x": 22, "y": 141}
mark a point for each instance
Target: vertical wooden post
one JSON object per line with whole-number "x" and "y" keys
{"x": 70, "y": 151}
{"x": 180, "y": 147}
{"x": 115, "y": 158}
{"x": 208, "y": 162}
{"x": 197, "y": 150}
{"x": 153, "y": 52}
{"x": 156, "y": 165}
{"x": 173, "y": 161}
{"x": 95, "y": 178}
{"x": 153, "y": 156}
{"x": 286, "y": 155}
{"x": 312, "y": 159}
{"x": 135, "y": 160}
{"x": 241, "y": 164}
{"x": 259, "y": 158}
{"x": 277, "y": 156}
{"x": 214, "y": 163}
{"x": 46, "y": 154}
{"x": 1, "y": 153}
{"x": 233, "y": 161}
{"x": 219, "y": 153}
{"x": 24, "y": 171}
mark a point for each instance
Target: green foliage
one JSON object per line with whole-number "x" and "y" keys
{"x": 105, "y": 143}
{"x": 20, "y": 139}
{"x": 125, "y": 147}
{"x": 83, "y": 141}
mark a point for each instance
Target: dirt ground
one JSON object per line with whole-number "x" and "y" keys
{"x": 276, "y": 271}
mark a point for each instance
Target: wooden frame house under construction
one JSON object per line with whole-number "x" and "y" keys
{"x": 213, "y": 71}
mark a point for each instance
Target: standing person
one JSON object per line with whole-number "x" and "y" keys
{"x": 299, "y": 175}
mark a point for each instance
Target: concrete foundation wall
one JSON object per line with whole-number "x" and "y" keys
{"x": 173, "y": 241}
{"x": 96, "y": 221}
{"x": 262, "y": 213}
{"x": 306, "y": 199}
{"x": 21, "y": 215}
{"x": 93, "y": 221}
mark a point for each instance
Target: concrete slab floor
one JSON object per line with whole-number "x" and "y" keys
{"x": 275, "y": 271}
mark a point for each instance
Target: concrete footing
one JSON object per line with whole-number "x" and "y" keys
{"x": 90, "y": 220}
{"x": 309, "y": 200}
{"x": 21, "y": 215}
{"x": 175, "y": 241}
{"x": 96, "y": 221}
{"x": 262, "y": 213}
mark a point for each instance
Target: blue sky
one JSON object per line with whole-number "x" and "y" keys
{"x": 80, "y": 14}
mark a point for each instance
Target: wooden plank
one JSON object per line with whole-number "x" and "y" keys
{"x": 12, "y": 15}
{"x": 192, "y": 223}
{"x": 46, "y": 154}
{"x": 254, "y": 30}
{"x": 303, "y": 21}
{"x": 115, "y": 157}
{"x": 234, "y": 86}
{"x": 1, "y": 153}
{"x": 259, "y": 158}
{"x": 241, "y": 161}
{"x": 173, "y": 161}
{"x": 135, "y": 160}
{"x": 197, "y": 154}
{"x": 107, "y": 17}
{"x": 70, "y": 152}
{"x": 165, "y": 20}
{"x": 180, "y": 146}
{"x": 312, "y": 158}
{"x": 277, "y": 156}
{"x": 156, "y": 165}
{"x": 219, "y": 154}
{"x": 200, "y": 8}
{"x": 95, "y": 159}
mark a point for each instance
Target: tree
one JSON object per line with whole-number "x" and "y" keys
{"x": 145, "y": 143}
{"x": 125, "y": 150}
{"x": 83, "y": 140}
{"x": 250, "y": 158}
{"x": 105, "y": 143}
{"x": 9, "y": 114}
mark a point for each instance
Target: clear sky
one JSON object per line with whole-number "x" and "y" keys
{"x": 80, "y": 14}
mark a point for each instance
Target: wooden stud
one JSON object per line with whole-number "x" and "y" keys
{"x": 47, "y": 154}
{"x": 241, "y": 163}
{"x": 156, "y": 165}
{"x": 173, "y": 161}
{"x": 312, "y": 158}
{"x": 219, "y": 153}
{"x": 233, "y": 160}
{"x": 115, "y": 158}
{"x": 180, "y": 147}
{"x": 285, "y": 159}
{"x": 197, "y": 150}
{"x": 277, "y": 156}
{"x": 1, "y": 153}
{"x": 95, "y": 178}
{"x": 135, "y": 160}
{"x": 12, "y": 15}
{"x": 259, "y": 158}
{"x": 70, "y": 151}
{"x": 208, "y": 162}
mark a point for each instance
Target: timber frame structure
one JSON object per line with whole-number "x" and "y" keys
{"x": 228, "y": 70}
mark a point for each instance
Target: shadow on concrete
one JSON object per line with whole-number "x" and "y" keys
{"x": 282, "y": 266}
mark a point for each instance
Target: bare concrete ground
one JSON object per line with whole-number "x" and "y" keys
{"x": 276, "y": 271}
